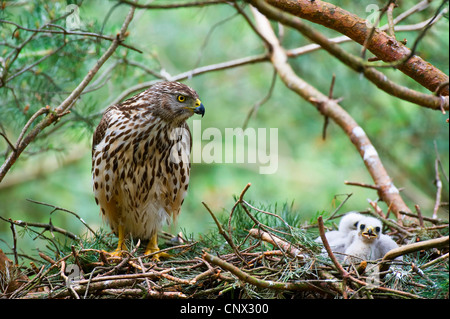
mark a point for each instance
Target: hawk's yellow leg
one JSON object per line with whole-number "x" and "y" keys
{"x": 152, "y": 247}
{"x": 121, "y": 243}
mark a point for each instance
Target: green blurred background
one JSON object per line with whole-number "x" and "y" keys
{"x": 55, "y": 169}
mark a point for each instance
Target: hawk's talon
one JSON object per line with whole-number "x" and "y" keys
{"x": 156, "y": 257}
{"x": 152, "y": 248}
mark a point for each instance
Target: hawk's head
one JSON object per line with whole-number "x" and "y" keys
{"x": 173, "y": 101}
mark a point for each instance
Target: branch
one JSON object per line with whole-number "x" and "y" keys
{"x": 406, "y": 249}
{"x": 65, "y": 106}
{"x": 175, "y": 5}
{"x": 292, "y": 286}
{"x": 327, "y": 247}
{"x": 292, "y": 53}
{"x": 381, "y": 44}
{"x": 438, "y": 189}
{"x": 41, "y": 225}
{"x": 387, "y": 191}
{"x": 67, "y": 32}
{"x": 287, "y": 246}
{"x": 354, "y": 62}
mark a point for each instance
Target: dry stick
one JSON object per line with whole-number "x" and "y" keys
{"x": 326, "y": 118}
{"x": 238, "y": 202}
{"x": 391, "y": 224}
{"x": 65, "y": 106}
{"x": 223, "y": 233}
{"x": 67, "y": 281}
{"x": 339, "y": 206}
{"x": 67, "y": 32}
{"x": 438, "y": 189}
{"x": 428, "y": 219}
{"x": 327, "y": 247}
{"x": 419, "y": 215}
{"x": 435, "y": 261}
{"x": 390, "y": 17}
{"x": 272, "y": 236}
{"x": 268, "y": 213}
{"x": 374, "y": 27}
{"x": 255, "y": 281}
{"x": 81, "y": 289}
{"x": 37, "y": 279}
{"x": 387, "y": 191}
{"x": 287, "y": 247}
{"x": 175, "y": 5}
{"x": 13, "y": 230}
{"x": 42, "y": 225}
{"x": 377, "y": 209}
{"x": 406, "y": 249}
{"x": 362, "y": 185}
{"x": 56, "y": 208}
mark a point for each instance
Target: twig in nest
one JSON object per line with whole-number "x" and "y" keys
{"x": 287, "y": 246}
{"x": 391, "y": 224}
{"x": 438, "y": 189}
{"x": 419, "y": 215}
{"x": 220, "y": 228}
{"x": 327, "y": 247}
{"x": 406, "y": 249}
{"x": 255, "y": 281}
{"x": 340, "y": 205}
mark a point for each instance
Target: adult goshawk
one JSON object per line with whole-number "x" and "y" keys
{"x": 140, "y": 160}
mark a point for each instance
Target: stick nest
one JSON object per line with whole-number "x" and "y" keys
{"x": 253, "y": 252}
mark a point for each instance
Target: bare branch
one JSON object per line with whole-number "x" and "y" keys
{"x": 65, "y": 106}
{"x": 175, "y": 5}
{"x": 387, "y": 191}
{"x": 67, "y": 32}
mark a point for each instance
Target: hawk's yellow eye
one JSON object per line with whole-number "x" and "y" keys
{"x": 181, "y": 98}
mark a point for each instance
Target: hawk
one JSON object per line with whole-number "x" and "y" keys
{"x": 140, "y": 161}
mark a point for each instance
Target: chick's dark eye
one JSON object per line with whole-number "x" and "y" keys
{"x": 181, "y": 98}
{"x": 377, "y": 229}
{"x": 362, "y": 227}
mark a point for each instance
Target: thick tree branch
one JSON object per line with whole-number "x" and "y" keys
{"x": 292, "y": 53}
{"x": 354, "y": 62}
{"x": 328, "y": 107}
{"x": 385, "y": 47}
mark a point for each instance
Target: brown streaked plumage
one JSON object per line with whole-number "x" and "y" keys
{"x": 140, "y": 160}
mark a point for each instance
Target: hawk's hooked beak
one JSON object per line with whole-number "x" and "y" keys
{"x": 199, "y": 108}
{"x": 369, "y": 233}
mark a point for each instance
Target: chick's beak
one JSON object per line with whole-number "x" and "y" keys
{"x": 369, "y": 233}
{"x": 199, "y": 108}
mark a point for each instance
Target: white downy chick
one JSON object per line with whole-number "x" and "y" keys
{"x": 386, "y": 243}
{"x": 341, "y": 238}
{"x": 368, "y": 243}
